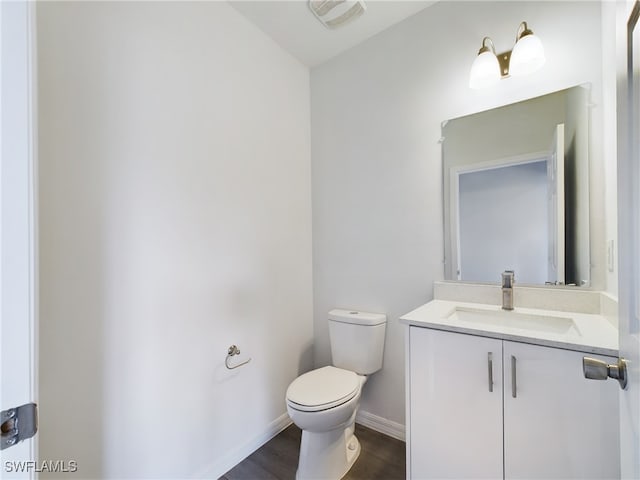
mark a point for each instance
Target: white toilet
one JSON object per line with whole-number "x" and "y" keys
{"x": 323, "y": 402}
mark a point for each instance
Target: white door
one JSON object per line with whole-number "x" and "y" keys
{"x": 455, "y": 405}
{"x": 629, "y": 240}
{"x": 17, "y": 264}
{"x": 557, "y": 424}
{"x": 555, "y": 202}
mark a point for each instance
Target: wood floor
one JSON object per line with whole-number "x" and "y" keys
{"x": 381, "y": 458}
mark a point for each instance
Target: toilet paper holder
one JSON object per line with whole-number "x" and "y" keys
{"x": 231, "y": 352}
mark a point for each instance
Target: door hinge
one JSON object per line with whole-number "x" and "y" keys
{"x": 17, "y": 424}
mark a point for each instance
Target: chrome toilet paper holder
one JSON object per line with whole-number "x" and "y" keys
{"x": 231, "y": 352}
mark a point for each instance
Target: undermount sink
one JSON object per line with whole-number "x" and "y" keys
{"x": 510, "y": 319}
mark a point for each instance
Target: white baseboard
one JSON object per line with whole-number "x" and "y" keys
{"x": 230, "y": 460}
{"x": 382, "y": 425}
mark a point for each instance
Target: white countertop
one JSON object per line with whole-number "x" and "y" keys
{"x": 592, "y": 333}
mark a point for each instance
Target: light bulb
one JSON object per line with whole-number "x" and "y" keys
{"x": 485, "y": 70}
{"x": 527, "y": 56}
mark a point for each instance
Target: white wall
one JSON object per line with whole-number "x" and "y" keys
{"x": 175, "y": 221}
{"x": 376, "y": 162}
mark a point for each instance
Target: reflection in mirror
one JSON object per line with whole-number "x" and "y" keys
{"x": 516, "y": 191}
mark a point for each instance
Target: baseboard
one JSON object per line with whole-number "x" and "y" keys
{"x": 382, "y": 425}
{"x": 230, "y": 460}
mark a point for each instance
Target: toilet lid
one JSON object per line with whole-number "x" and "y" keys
{"x": 323, "y": 388}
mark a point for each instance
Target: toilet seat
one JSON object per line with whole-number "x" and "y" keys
{"x": 321, "y": 389}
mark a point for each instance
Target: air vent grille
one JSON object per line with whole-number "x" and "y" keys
{"x": 336, "y": 13}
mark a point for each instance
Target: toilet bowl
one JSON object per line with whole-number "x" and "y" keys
{"x": 324, "y": 402}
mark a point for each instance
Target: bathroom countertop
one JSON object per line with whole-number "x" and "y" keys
{"x": 591, "y": 333}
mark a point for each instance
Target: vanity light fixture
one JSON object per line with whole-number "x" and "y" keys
{"x": 526, "y": 57}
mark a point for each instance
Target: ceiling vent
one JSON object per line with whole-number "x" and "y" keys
{"x": 336, "y": 13}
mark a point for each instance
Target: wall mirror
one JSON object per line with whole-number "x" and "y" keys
{"x": 516, "y": 191}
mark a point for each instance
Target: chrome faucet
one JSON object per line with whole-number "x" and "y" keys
{"x": 508, "y": 277}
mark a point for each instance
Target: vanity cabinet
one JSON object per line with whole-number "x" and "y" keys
{"x": 489, "y": 408}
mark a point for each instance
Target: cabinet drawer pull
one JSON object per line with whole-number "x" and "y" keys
{"x": 514, "y": 388}
{"x": 490, "y": 366}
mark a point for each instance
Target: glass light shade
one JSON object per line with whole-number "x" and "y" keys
{"x": 527, "y": 56}
{"x": 485, "y": 70}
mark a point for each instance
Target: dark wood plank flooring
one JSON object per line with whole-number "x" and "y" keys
{"x": 381, "y": 458}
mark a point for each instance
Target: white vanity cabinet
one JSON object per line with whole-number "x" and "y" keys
{"x": 559, "y": 425}
{"x": 456, "y": 421}
{"x": 468, "y": 419}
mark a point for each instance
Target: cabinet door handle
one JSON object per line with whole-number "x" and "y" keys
{"x": 490, "y": 366}
{"x": 514, "y": 388}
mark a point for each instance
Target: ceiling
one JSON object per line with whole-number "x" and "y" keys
{"x": 292, "y": 25}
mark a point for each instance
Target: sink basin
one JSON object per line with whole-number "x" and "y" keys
{"x": 510, "y": 319}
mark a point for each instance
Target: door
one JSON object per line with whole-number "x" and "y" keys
{"x": 488, "y": 239}
{"x": 629, "y": 239}
{"x": 455, "y": 405}
{"x": 555, "y": 202}
{"x": 17, "y": 265}
{"x": 557, "y": 424}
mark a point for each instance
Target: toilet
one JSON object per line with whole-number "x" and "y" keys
{"x": 323, "y": 402}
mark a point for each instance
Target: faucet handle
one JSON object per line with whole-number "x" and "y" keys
{"x": 508, "y": 277}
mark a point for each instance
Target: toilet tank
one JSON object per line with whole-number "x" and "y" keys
{"x": 357, "y": 340}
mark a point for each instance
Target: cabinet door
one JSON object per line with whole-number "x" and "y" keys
{"x": 456, "y": 421}
{"x": 557, "y": 424}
